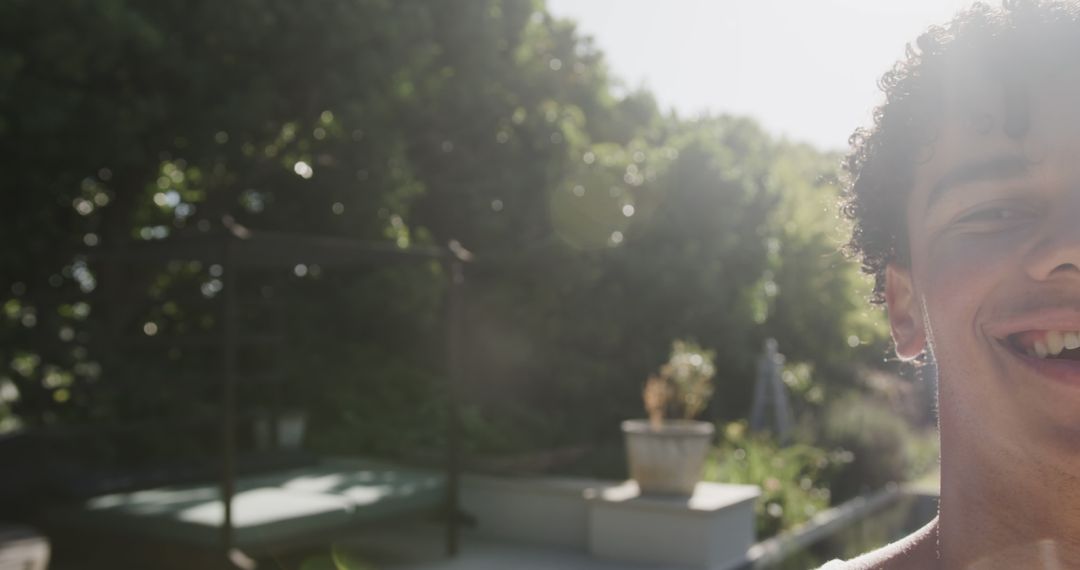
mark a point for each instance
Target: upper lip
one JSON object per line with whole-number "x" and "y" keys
{"x": 1060, "y": 317}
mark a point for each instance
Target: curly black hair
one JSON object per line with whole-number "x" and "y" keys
{"x": 1013, "y": 44}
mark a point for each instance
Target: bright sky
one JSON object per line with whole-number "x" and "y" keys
{"x": 806, "y": 69}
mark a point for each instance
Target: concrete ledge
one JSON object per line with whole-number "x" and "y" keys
{"x": 611, "y": 519}
{"x": 707, "y": 498}
{"x": 548, "y": 511}
{"x": 711, "y": 530}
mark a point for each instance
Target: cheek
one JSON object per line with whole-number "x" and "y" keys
{"x": 958, "y": 275}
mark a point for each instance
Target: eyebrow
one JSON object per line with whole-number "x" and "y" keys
{"x": 997, "y": 168}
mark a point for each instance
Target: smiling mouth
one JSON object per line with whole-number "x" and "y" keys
{"x": 1046, "y": 345}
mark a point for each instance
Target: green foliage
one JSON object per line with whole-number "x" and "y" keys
{"x": 602, "y": 228}
{"x": 816, "y": 328}
{"x": 884, "y": 447}
{"x": 136, "y": 120}
{"x": 862, "y": 445}
{"x": 793, "y": 479}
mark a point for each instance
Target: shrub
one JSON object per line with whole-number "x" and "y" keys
{"x": 793, "y": 479}
{"x": 883, "y": 446}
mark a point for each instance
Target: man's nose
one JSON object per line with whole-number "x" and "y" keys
{"x": 1058, "y": 253}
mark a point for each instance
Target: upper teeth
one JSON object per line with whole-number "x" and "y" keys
{"x": 1055, "y": 342}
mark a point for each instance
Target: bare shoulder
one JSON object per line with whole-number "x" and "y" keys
{"x": 917, "y": 551}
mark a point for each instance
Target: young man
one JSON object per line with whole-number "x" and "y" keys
{"x": 965, "y": 198}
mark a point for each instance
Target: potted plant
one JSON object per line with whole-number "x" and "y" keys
{"x": 666, "y": 452}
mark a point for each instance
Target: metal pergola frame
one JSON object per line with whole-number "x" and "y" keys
{"x": 236, "y": 248}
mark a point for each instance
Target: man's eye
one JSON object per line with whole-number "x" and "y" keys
{"x": 994, "y": 214}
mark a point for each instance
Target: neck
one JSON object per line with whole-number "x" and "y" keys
{"x": 1005, "y": 507}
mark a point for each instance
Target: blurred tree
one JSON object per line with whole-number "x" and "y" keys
{"x": 129, "y": 120}
{"x": 604, "y": 229}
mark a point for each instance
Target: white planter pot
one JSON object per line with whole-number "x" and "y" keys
{"x": 667, "y": 460}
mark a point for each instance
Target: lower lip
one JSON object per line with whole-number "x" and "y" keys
{"x": 1064, "y": 371}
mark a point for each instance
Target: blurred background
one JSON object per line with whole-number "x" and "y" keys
{"x": 614, "y": 176}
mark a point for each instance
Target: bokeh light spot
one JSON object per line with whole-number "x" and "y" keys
{"x": 303, "y": 169}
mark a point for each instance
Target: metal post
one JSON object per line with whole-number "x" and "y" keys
{"x": 228, "y": 397}
{"x": 454, "y": 314}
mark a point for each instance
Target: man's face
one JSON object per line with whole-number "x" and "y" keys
{"x": 993, "y": 287}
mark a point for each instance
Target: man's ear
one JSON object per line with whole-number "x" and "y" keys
{"x": 905, "y": 312}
